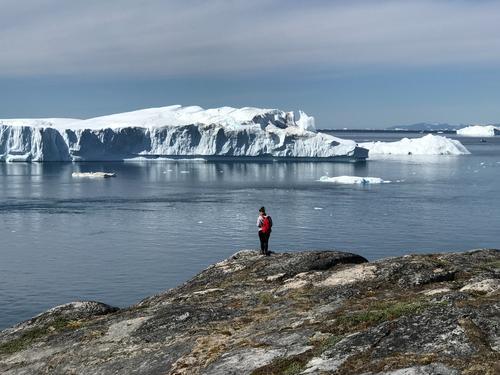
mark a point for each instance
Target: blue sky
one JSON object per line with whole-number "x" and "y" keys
{"x": 349, "y": 63}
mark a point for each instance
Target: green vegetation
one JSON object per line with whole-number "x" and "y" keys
{"x": 327, "y": 344}
{"x": 363, "y": 362}
{"x": 292, "y": 365}
{"x": 30, "y": 336}
{"x": 265, "y": 298}
{"x": 293, "y": 368}
{"x": 492, "y": 264}
{"x": 377, "y": 313}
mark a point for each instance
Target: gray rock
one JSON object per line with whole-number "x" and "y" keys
{"x": 432, "y": 369}
{"x": 311, "y": 312}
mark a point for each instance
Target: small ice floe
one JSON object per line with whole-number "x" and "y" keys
{"x": 200, "y": 222}
{"x": 318, "y": 208}
{"x": 184, "y": 171}
{"x": 93, "y": 174}
{"x": 351, "y": 180}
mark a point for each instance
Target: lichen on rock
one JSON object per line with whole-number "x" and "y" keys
{"x": 310, "y": 312}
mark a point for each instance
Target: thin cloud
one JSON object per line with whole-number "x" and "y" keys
{"x": 179, "y": 38}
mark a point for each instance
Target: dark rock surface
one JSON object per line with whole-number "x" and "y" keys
{"x": 316, "y": 312}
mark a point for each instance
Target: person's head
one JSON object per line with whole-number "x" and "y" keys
{"x": 262, "y": 210}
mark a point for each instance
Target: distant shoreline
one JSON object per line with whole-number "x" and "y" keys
{"x": 387, "y": 131}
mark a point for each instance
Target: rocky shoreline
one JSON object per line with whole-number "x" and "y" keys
{"x": 312, "y": 312}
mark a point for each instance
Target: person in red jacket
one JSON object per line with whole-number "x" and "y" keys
{"x": 265, "y": 223}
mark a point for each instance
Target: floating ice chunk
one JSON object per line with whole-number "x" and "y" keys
{"x": 318, "y": 208}
{"x": 426, "y": 145}
{"x": 479, "y": 131}
{"x": 350, "y": 180}
{"x": 20, "y": 158}
{"x": 93, "y": 174}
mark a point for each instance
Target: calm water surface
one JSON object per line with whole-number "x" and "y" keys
{"x": 155, "y": 225}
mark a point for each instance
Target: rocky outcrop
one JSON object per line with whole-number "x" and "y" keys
{"x": 316, "y": 312}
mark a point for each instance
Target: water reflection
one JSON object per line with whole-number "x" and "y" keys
{"x": 158, "y": 223}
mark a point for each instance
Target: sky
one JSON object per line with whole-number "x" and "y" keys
{"x": 355, "y": 64}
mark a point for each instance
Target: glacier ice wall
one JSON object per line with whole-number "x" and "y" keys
{"x": 24, "y": 143}
{"x": 170, "y": 132}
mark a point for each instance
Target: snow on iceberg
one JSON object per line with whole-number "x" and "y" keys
{"x": 426, "y": 145}
{"x": 39, "y": 122}
{"x": 305, "y": 122}
{"x": 351, "y": 180}
{"x": 172, "y": 132}
{"x": 479, "y": 131}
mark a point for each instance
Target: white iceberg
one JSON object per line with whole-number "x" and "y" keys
{"x": 173, "y": 131}
{"x": 351, "y": 180}
{"x": 305, "y": 122}
{"x": 93, "y": 174}
{"x": 479, "y": 131}
{"x": 426, "y": 145}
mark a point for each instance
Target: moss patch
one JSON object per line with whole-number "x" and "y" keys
{"x": 377, "y": 313}
{"x": 326, "y": 344}
{"x": 492, "y": 264}
{"x": 363, "y": 362}
{"x": 286, "y": 365}
{"x": 32, "y": 335}
{"x": 265, "y": 298}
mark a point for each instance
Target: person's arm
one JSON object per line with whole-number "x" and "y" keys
{"x": 259, "y": 221}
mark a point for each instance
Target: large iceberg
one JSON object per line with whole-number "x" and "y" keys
{"x": 173, "y": 131}
{"x": 479, "y": 131}
{"x": 426, "y": 145}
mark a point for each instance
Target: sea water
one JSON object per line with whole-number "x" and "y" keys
{"x": 155, "y": 225}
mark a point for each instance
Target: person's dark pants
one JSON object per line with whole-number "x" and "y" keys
{"x": 264, "y": 242}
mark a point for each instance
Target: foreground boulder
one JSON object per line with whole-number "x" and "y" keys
{"x": 294, "y": 313}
